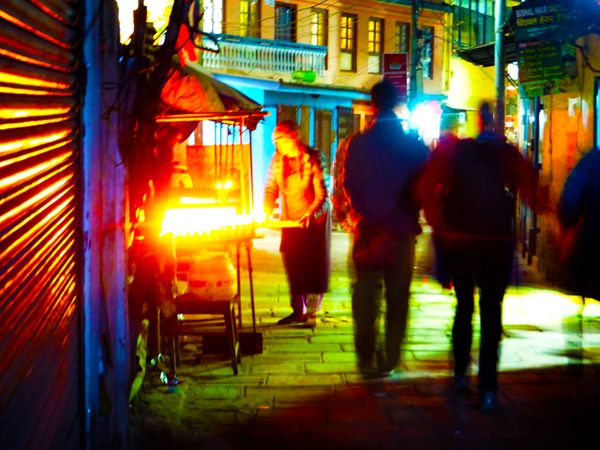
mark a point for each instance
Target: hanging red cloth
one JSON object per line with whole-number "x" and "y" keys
{"x": 185, "y": 46}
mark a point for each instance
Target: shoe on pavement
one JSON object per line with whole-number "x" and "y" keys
{"x": 368, "y": 370}
{"x": 384, "y": 373}
{"x": 311, "y": 320}
{"x": 489, "y": 401}
{"x": 294, "y": 317}
{"x": 385, "y": 369}
{"x": 461, "y": 384}
{"x": 368, "y": 375}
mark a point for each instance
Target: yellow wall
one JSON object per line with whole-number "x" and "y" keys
{"x": 470, "y": 85}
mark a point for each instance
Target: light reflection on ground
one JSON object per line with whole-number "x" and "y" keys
{"x": 303, "y": 390}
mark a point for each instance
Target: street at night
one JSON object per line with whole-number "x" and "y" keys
{"x": 304, "y": 390}
{"x": 211, "y": 211}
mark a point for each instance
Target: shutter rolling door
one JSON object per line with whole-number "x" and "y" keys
{"x": 40, "y": 344}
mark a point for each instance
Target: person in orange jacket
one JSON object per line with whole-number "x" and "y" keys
{"x": 297, "y": 179}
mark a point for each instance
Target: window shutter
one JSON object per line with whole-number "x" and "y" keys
{"x": 40, "y": 343}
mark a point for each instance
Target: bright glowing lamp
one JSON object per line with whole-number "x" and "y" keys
{"x": 196, "y": 221}
{"x": 426, "y": 118}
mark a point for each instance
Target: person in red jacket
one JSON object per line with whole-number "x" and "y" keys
{"x": 468, "y": 191}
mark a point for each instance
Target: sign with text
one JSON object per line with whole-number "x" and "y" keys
{"x": 540, "y": 60}
{"x": 536, "y": 19}
{"x": 547, "y": 65}
{"x": 395, "y": 69}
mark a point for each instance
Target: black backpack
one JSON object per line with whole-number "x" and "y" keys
{"x": 480, "y": 196}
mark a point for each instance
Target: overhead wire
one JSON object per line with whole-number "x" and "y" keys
{"x": 306, "y": 19}
{"x": 361, "y": 46}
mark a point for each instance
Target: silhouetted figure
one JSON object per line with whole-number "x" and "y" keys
{"x": 579, "y": 214}
{"x": 469, "y": 192}
{"x": 151, "y": 290}
{"x": 153, "y": 256}
{"x": 378, "y": 169}
{"x": 296, "y": 177}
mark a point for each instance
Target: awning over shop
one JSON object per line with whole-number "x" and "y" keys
{"x": 483, "y": 55}
{"x": 193, "y": 94}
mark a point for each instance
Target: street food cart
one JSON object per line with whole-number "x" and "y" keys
{"x": 210, "y": 210}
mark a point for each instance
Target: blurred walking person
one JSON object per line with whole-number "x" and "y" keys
{"x": 579, "y": 214}
{"x": 297, "y": 179}
{"x": 469, "y": 194}
{"x": 378, "y": 169}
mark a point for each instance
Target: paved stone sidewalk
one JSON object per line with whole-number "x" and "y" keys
{"x": 303, "y": 390}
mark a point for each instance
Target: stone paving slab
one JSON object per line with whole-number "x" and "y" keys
{"x": 304, "y": 392}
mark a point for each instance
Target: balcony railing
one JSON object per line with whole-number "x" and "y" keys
{"x": 264, "y": 55}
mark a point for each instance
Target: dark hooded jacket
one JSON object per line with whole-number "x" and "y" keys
{"x": 379, "y": 169}
{"x": 579, "y": 213}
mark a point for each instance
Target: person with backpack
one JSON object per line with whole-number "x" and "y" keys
{"x": 469, "y": 194}
{"x": 377, "y": 172}
{"x": 447, "y": 140}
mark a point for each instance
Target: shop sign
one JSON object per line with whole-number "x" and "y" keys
{"x": 533, "y": 20}
{"x": 547, "y": 67}
{"x": 546, "y": 64}
{"x": 395, "y": 69}
{"x": 306, "y": 76}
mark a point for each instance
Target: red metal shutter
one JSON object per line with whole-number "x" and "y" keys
{"x": 40, "y": 343}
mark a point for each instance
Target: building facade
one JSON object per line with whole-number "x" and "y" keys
{"x": 315, "y": 62}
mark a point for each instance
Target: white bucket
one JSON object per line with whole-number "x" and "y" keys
{"x": 212, "y": 276}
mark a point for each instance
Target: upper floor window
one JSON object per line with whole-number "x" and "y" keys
{"x": 402, "y": 37}
{"x": 318, "y": 26}
{"x": 212, "y": 18}
{"x": 285, "y": 22}
{"x": 348, "y": 28}
{"x": 250, "y": 18}
{"x": 475, "y": 22}
{"x": 426, "y": 51}
{"x": 374, "y": 45}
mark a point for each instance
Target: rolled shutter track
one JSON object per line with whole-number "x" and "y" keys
{"x": 40, "y": 344}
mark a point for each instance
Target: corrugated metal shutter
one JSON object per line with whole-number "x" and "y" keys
{"x": 40, "y": 343}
